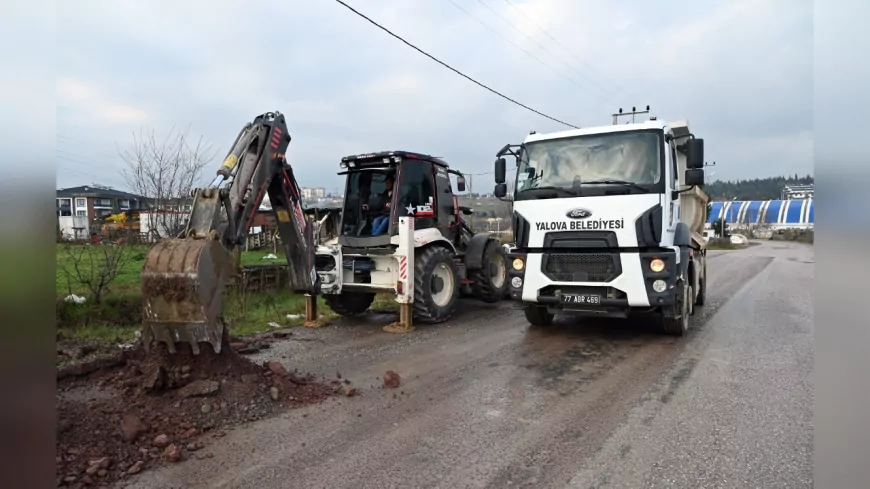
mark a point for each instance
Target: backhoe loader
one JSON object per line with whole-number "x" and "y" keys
{"x": 412, "y": 243}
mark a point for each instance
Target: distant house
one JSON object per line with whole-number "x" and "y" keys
{"x": 81, "y": 210}
{"x": 311, "y": 193}
{"x": 95, "y": 202}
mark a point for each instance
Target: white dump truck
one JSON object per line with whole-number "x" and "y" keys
{"x": 608, "y": 221}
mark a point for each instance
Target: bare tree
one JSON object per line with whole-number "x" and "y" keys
{"x": 164, "y": 172}
{"x": 94, "y": 266}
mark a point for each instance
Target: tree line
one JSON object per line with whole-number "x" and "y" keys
{"x": 769, "y": 188}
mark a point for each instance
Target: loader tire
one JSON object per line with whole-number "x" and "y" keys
{"x": 489, "y": 284}
{"x": 436, "y": 285}
{"x": 349, "y": 304}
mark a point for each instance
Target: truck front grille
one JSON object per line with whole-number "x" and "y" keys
{"x": 580, "y": 267}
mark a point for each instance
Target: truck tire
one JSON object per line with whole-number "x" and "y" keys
{"x": 702, "y": 288}
{"x": 436, "y": 285}
{"x": 489, "y": 284}
{"x": 349, "y": 304}
{"x": 537, "y": 315}
{"x": 675, "y": 318}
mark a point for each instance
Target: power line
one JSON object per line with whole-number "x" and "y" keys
{"x": 604, "y": 90}
{"x": 84, "y": 174}
{"x": 67, "y": 142}
{"x": 563, "y": 46}
{"x": 466, "y": 12}
{"x": 452, "y": 68}
{"x": 490, "y": 172}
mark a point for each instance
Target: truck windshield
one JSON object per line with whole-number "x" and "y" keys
{"x": 632, "y": 160}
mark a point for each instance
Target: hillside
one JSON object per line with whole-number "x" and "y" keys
{"x": 755, "y": 189}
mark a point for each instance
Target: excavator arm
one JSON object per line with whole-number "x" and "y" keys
{"x": 183, "y": 279}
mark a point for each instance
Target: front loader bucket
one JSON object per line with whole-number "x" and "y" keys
{"x": 182, "y": 287}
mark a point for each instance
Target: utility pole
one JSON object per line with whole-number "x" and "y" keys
{"x": 634, "y": 112}
{"x": 730, "y": 213}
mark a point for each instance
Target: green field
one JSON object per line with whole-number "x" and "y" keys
{"x": 118, "y": 315}
{"x": 724, "y": 246}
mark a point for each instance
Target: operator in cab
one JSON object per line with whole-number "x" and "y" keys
{"x": 381, "y": 206}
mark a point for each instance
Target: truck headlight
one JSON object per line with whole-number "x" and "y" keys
{"x": 518, "y": 263}
{"x": 657, "y": 265}
{"x": 516, "y": 282}
{"x": 659, "y": 286}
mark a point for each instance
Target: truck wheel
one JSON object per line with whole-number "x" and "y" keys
{"x": 349, "y": 304}
{"x": 702, "y": 288}
{"x": 436, "y": 285}
{"x": 537, "y": 315}
{"x": 675, "y": 318}
{"x": 490, "y": 282}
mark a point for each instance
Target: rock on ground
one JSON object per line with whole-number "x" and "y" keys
{"x": 151, "y": 410}
{"x": 392, "y": 379}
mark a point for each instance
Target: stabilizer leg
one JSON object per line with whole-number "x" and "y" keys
{"x": 405, "y": 323}
{"x": 311, "y": 318}
{"x": 405, "y": 261}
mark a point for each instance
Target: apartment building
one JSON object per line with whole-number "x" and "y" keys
{"x": 96, "y": 202}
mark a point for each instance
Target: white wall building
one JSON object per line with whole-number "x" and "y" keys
{"x": 74, "y": 227}
{"x": 313, "y": 193}
{"x": 791, "y": 192}
{"x": 164, "y": 224}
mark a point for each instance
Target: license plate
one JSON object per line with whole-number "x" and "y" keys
{"x": 581, "y": 299}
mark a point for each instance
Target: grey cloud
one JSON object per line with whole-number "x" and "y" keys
{"x": 743, "y": 80}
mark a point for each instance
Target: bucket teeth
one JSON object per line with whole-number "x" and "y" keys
{"x": 182, "y": 286}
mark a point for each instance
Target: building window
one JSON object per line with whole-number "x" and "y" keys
{"x": 81, "y": 203}
{"x": 124, "y": 204}
{"x": 103, "y": 202}
{"x": 82, "y": 213}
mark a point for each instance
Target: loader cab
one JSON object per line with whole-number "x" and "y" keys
{"x": 420, "y": 188}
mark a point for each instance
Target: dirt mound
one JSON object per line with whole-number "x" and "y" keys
{"x": 143, "y": 410}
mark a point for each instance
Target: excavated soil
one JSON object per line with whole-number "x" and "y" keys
{"x": 127, "y": 410}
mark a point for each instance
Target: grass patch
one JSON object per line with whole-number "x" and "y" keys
{"x": 259, "y": 258}
{"x": 252, "y": 312}
{"x": 127, "y": 279}
{"x": 112, "y": 333}
{"x": 120, "y": 314}
{"x": 723, "y": 246}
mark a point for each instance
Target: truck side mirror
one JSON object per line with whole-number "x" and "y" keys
{"x": 500, "y": 169}
{"x": 500, "y": 190}
{"x": 695, "y": 177}
{"x": 460, "y": 184}
{"x": 694, "y": 154}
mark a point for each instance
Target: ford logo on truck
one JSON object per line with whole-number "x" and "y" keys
{"x": 578, "y": 214}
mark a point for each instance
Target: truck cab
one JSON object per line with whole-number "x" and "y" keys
{"x": 607, "y": 221}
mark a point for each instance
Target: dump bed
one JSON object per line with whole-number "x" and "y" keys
{"x": 693, "y": 203}
{"x": 693, "y": 212}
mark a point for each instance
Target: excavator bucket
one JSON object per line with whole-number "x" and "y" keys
{"x": 182, "y": 285}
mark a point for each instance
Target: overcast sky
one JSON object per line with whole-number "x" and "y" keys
{"x": 739, "y": 70}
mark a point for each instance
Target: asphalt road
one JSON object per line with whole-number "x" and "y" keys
{"x": 487, "y": 401}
